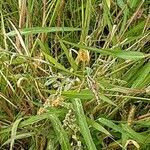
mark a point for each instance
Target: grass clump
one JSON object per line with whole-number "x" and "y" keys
{"x": 74, "y": 75}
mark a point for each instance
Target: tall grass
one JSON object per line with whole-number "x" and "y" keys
{"x": 74, "y": 74}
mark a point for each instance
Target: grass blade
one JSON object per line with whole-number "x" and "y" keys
{"x": 51, "y": 59}
{"x": 69, "y": 57}
{"x": 123, "y": 129}
{"x": 132, "y": 134}
{"x": 107, "y": 100}
{"x": 97, "y": 126}
{"x": 143, "y": 73}
{"x": 36, "y": 30}
{"x": 60, "y": 132}
{"x": 19, "y": 136}
{"x": 14, "y": 132}
{"x": 112, "y": 125}
{"x": 84, "y": 129}
{"x": 33, "y": 119}
{"x": 127, "y": 55}
{"x": 83, "y": 94}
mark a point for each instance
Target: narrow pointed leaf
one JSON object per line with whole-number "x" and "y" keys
{"x": 84, "y": 129}
{"x": 60, "y": 132}
{"x": 35, "y": 30}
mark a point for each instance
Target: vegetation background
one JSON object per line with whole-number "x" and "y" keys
{"x": 74, "y": 74}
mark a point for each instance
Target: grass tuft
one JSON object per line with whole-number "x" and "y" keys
{"x": 74, "y": 75}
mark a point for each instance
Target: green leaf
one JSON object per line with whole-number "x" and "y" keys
{"x": 34, "y": 119}
{"x": 108, "y": 2}
{"x": 127, "y": 55}
{"x": 134, "y": 3}
{"x": 57, "y": 6}
{"x": 19, "y": 136}
{"x": 130, "y": 75}
{"x": 60, "y": 132}
{"x": 121, "y": 3}
{"x": 55, "y": 63}
{"x": 124, "y": 129}
{"x": 145, "y": 123}
{"x": 14, "y": 132}
{"x": 106, "y": 99}
{"x": 81, "y": 119}
{"x": 83, "y": 94}
{"x": 143, "y": 73}
{"x": 112, "y": 125}
{"x": 97, "y": 126}
{"x": 35, "y": 30}
{"x": 136, "y": 30}
{"x": 132, "y": 134}
{"x": 69, "y": 56}
{"x": 86, "y": 16}
{"x": 51, "y": 59}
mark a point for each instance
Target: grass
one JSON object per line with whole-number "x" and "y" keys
{"x": 74, "y": 75}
